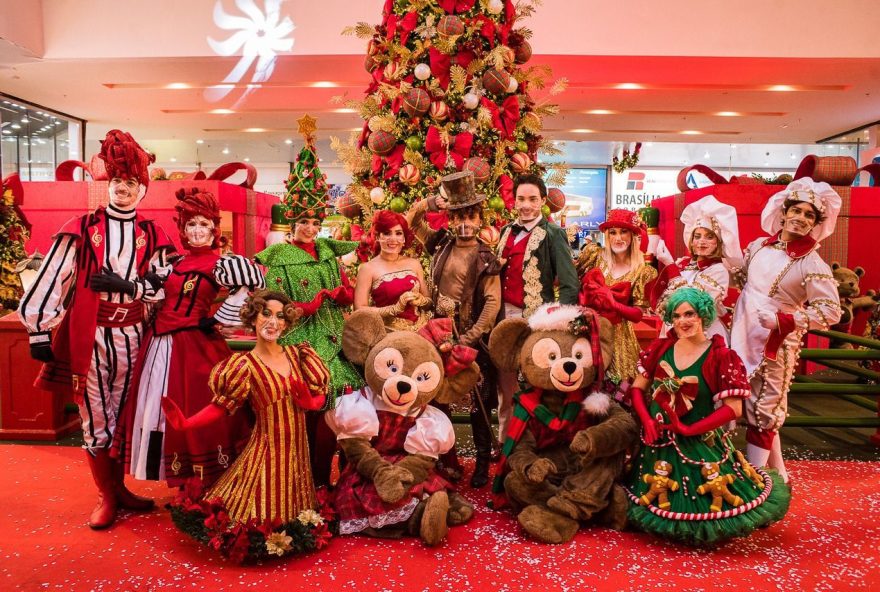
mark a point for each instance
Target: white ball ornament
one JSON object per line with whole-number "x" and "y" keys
{"x": 470, "y": 100}
{"x": 377, "y": 195}
{"x": 422, "y": 71}
{"x": 495, "y": 6}
{"x": 511, "y": 88}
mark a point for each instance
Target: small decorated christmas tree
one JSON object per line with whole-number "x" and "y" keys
{"x": 14, "y": 231}
{"x": 450, "y": 92}
{"x": 306, "y": 194}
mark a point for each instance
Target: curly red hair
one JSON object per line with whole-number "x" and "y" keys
{"x": 383, "y": 222}
{"x": 193, "y": 202}
{"x": 124, "y": 158}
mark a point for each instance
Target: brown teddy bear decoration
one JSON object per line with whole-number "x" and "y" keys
{"x": 850, "y": 299}
{"x": 392, "y": 438}
{"x": 567, "y": 441}
{"x": 749, "y": 471}
{"x": 660, "y": 485}
{"x": 716, "y": 486}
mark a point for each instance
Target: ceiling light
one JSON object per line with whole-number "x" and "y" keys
{"x": 15, "y": 126}
{"x": 200, "y": 141}
{"x": 324, "y": 84}
{"x": 728, "y": 114}
{"x": 57, "y": 123}
{"x": 221, "y": 111}
{"x": 177, "y": 86}
{"x": 628, "y": 86}
{"x": 582, "y": 131}
{"x": 288, "y": 141}
{"x": 345, "y": 110}
{"x": 792, "y": 156}
{"x": 601, "y": 112}
{"x": 24, "y": 120}
{"x": 246, "y": 159}
{"x": 733, "y": 146}
{"x": 254, "y": 130}
{"x": 225, "y": 151}
{"x": 172, "y": 159}
{"x": 781, "y": 88}
{"x": 706, "y": 154}
{"x": 690, "y": 132}
{"x": 7, "y": 132}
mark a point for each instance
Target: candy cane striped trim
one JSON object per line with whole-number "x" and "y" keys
{"x": 768, "y": 487}
{"x": 672, "y": 442}
{"x": 740, "y": 393}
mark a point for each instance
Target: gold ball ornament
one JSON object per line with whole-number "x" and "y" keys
{"x": 392, "y": 71}
{"x": 489, "y": 235}
{"x": 439, "y": 111}
{"x": 495, "y": 6}
{"x": 409, "y": 174}
{"x": 375, "y": 123}
{"x": 520, "y": 162}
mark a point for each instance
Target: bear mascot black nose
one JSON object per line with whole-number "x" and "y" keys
{"x": 403, "y": 387}
{"x": 569, "y": 367}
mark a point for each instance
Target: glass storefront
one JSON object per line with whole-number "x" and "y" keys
{"x": 35, "y": 140}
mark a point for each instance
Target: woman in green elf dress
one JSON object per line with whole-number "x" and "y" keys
{"x": 307, "y": 271}
{"x": 688, "y": 482}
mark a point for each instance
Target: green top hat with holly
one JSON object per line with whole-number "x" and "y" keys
{"x": 306, "y": 195}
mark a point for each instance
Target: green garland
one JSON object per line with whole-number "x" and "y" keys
{"x": 207, "y": 521}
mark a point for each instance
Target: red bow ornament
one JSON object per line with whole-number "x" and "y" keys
{"x": 674, "y": 393}
{"x": 441, "y": 63}
{"x": 505, "y": 188}
{"x": 505, "y": 118}
{"x": 458, "y": 150}
{"x": 456, "y": 357}
{"x": 392, "y": 162}
{"x": 456, "y": 6}
{"x": 406, "y": 25}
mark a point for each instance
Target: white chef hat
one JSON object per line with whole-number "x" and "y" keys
{"x": 720, "y": 218}
{"x": 820, "y": 195}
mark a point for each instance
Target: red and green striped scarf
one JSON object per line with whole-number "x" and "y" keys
{"x": 527, "y": 405}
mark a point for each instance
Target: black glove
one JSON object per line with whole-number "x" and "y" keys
{"x": 42, "y": 352}
{"x": 108, "y": 281}
{"x": 206, "y": 324}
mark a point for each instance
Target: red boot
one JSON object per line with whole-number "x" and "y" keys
{"x": 101, "y": 466}
{"x": 125, "y": 499}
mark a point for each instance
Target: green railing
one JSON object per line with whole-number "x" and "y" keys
{"x": 856, "y": 389}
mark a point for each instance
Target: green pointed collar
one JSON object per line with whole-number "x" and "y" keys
{"x": 285, "y": 254}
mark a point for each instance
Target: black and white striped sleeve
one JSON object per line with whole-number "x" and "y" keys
{"x": 240, "y": 275}
{"x": 149, "y": 289}
{"x": 42, "y": 306}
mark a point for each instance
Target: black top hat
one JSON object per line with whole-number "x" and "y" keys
{"x": 460, "y": 192}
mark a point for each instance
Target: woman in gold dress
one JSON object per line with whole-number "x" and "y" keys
{"x": 272, "y": 478}
{"x": 622, "y": 260}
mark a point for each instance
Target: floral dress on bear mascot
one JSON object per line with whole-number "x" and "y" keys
{"x": 392, "y": 438}
{"x": 567, "y": 441}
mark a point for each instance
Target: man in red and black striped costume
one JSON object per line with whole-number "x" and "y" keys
{"x": 84, "y": 312}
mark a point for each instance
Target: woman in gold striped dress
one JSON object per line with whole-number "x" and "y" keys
{"x": 272, "y": 478}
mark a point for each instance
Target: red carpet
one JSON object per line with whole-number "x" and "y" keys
{"x": 828, "y": 541}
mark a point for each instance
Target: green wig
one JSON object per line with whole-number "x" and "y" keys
{"x": 698, "y": 299}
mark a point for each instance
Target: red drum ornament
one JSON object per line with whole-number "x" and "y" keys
{"x": 439, "y": 111}
{"x": 555, "y": 199}
{"x": 381, "y": 142}
{"x": 520, "y": 162}
{"x": 496, "y": 81}
{"x": 417, "y": 102}
{"x": 479, "y": 167}
{"x": 489, "y": 235}
{"x": 450, "y": 25}
{"x": 409, "y": 174}
{"x": 348, "y": 206}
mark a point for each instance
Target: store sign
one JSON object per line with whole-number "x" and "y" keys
{"x": 585, "y": 197}
{"x": 635, "y": 189}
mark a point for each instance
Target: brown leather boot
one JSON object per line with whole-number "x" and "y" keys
{"x": 101, "y": 466}
{"x": 125, "y": 499}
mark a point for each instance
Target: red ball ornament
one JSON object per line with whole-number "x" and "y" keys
{"x": 417, "y": 102}
{"x": 439, "y": 111}
{"x": 496, "y": 81}
{"x": 523, "y": 52}
{"x": 348, "y": 206}
{"x": 520, "y": 162}
{"x": 555, "y": 199}
{"x": 479, "y": 167}
{"x": 450, "y": 25}
{"x": 409, "y": 174}
{"x": 381, "y": 142}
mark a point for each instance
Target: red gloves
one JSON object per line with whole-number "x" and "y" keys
{"x": 208, "y": 415}
{"x": 342, "y": 296}
{"x": 716, "y": 419}
{"x": 649, "y": 424}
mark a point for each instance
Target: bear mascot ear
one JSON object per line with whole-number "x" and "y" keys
{"x": 456, "y": 388}
{"x": 606, "y": 340}
{"x": 363, "y": 329}
{"x": 506, "y": 341}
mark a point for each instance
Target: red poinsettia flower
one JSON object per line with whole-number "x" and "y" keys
{"x": 322, "y": 536}
{"x": 267, "y": 527}
{"x": 238, "y": 543}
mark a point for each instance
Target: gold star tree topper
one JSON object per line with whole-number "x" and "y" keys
{"x": 308, "y": 125}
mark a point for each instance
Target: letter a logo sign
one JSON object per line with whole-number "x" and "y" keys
{"x": 635, "y": 182}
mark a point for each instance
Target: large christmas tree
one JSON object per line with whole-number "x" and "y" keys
{"x": 449, "y": 92}
{"x": 14, "y": 231}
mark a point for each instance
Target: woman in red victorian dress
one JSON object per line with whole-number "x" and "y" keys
{"x": 180, "y": 348}
{"x": 391, "y": 282}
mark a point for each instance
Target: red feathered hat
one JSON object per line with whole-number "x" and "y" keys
{"x": 124, "y": 157}
{"x": 629, "y": 220}
{"x": 195, "y": 202}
